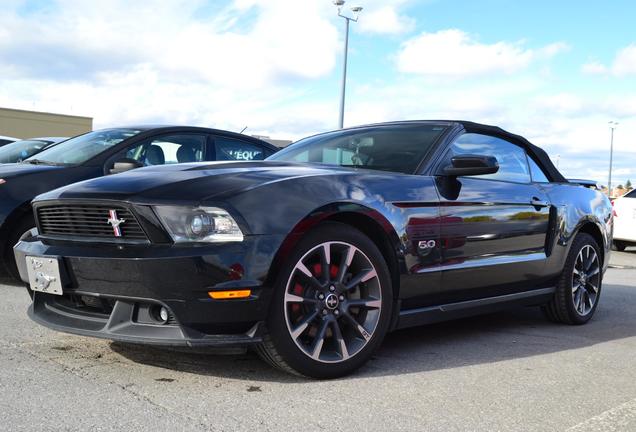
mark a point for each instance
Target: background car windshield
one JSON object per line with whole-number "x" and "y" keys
{"x": 386, "y": 148}
{"x": 84, "y": 147}
{"x": 20, "y": 150}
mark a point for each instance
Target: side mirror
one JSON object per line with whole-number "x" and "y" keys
{"x": 123, "y": 165}
{"x": 471, "y": 165}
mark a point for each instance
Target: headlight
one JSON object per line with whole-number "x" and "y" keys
{"x": 200, "y": 224}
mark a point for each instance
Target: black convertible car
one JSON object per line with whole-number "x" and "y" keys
{"x": 104, "y": 152}
{"x": 313, "y": 256}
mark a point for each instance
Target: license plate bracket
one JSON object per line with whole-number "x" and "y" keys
{"x": 44, "y": 274}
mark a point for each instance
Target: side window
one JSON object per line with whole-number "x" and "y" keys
{"x": 172, "y": 149}
{"x": 513, "y": 164}
{"x": 234, "y": 149}
{"x": 538, "y": 176}
{"x": 169, "y": 149}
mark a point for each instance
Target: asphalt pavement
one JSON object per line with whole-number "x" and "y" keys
{"x": 510, "y": 371}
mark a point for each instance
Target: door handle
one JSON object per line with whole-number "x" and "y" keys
{"x": 536, "y": 202}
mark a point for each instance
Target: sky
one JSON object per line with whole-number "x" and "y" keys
{"x": 554, "y": 71}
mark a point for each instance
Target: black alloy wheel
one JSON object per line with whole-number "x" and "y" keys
{"x": 332, "y": 305}
{"x": 579, "y": 287}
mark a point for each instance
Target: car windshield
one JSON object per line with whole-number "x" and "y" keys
{"x": 386, "y": 148}
{"x": 82, "y": 148}
{"x": 20, "y": 150}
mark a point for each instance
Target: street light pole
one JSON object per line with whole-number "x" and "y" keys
{"x": 343, "y": 84}
{"x": 356, "y": 10}
{"x": 612, "y": 126}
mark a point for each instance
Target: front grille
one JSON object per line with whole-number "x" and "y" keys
{"x": 89, "y": 221}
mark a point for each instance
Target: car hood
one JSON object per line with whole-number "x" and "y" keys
{"x": 10, "y": 170}
{"x": 189, "y": 182}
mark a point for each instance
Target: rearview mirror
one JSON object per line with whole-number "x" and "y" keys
{"x": 471, "y": 165}
{"x": 124, "y": 165}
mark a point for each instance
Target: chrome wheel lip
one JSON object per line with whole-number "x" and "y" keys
{"x": 586, "y": 280}
{"x": 332, "y": 317}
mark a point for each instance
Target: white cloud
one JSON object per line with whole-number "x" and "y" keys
{"x": 623, "y": 65}
{"x": 625, "y": 61}
{"x": 170, "y": 61}
{"x": 454, "y": 53}
{"x": 594, "y": 68}
{"x": 562, "y": 103}
{"x": 385, "y": 20}
{"x": 175, "y": 38}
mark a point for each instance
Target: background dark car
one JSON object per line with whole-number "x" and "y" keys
{"x": 105, "y": 152}
{"x": 20, "y": 150}
{"x": 314, "y": 255}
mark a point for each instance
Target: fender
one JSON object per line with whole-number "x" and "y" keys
{"x": 341, "y": 212}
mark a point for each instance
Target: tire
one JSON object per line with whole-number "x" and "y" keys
{"x": 578, "y": 289}
{"x": 618, "y": 245}
{"x": 22, "y": 230}
{"x": 350, "y": 304}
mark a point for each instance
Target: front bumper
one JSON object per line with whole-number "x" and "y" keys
{"x": 108, "y": 290}
{"x": 121, "y": 324}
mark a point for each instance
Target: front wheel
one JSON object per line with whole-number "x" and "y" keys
{"x": 331, "y": 306}
{"x": 579, "y": 287}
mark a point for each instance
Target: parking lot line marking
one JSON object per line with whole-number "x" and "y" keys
{"x": 619, "y": 418}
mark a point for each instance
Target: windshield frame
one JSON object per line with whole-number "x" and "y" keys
{"x": 40, "y": 158}
{"x": 445, "y": 129}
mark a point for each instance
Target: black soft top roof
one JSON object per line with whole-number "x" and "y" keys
{"x": 537, "y": 153}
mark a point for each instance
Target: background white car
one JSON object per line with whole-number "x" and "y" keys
{"x": 625, "y": 221}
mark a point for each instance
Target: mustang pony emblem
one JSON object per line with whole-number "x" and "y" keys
{"x": 114, "y": 221}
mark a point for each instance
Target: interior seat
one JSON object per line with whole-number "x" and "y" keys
{"x": 155, "y": 155}
{"x": 186, "y": 154}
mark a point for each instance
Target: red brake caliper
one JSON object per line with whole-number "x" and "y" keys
{"x": 299, "y": 291}
{"x": 333, "y": 271}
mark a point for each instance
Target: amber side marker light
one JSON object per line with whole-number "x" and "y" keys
{"x": 234, "y": 294}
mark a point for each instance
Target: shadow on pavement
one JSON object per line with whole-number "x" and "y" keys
{"x": 492, "y": 338}
{"x": 5, "y": 280}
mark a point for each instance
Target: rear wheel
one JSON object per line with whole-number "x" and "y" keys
{"x": 332, "y": 304}
{"x": 579, "y": 287}
{"x": 23, "y": 231}
{"x": 618, "y": 245}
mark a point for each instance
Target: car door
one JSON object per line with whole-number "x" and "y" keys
{"x": 493, "y": 227}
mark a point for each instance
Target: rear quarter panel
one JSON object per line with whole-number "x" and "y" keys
{"x": 574, "y": 206}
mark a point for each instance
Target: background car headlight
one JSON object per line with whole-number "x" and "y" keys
{"x": 199, "y": 224}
